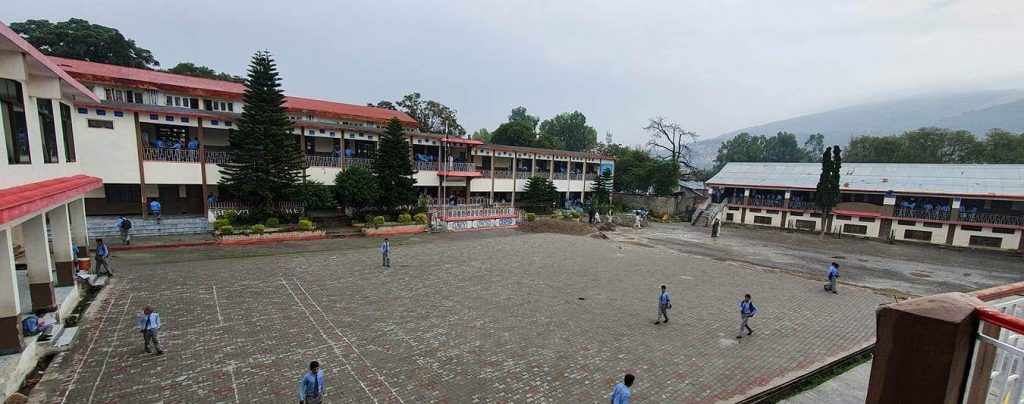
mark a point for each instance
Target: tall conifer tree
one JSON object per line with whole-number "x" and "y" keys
{"x": 393, "y": 167}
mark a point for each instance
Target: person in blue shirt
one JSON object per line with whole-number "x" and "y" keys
{"x": 311, "y": 387}
{"x": 336, "y": 152}
{"x": 193, "y": 144}
{"x": 664, "y": 303}
{"x": 385, "y": 253}
{"x": 833, "y": 274}
{"x": 149, "y": 324}
{"x": 103, "y": 257}
{"x": 210, "y": 199}
{"x": 125, "y": 227}
{"x": 348, "y": 153}
{"x": 747, "y": 310}
{"x": 621, "y": 393}
{"x": 34, "y": 324}
{"x": 154, "y": 209}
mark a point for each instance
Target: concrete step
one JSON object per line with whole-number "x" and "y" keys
{"x": 104, "y": 226}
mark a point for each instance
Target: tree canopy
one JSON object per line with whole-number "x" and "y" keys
{"x": 194, "y": 70}
{"x": 571, "y": 129}
{"x": 520, "y": 115}
{"x": 433, "y": 116}
{"x": 826, "y": 194}
{"x": 482, "y": 135}
{"x": 394, "y": 169}
{"x": 514, "y": 134}
{"x": 938, "y": 145}
{"x": 539, "y": 194}
{"x": 357, "y": 189}
{"x": 636, "y": 172}
{"x": 669, "y": 139}
{"x": 782, "y": 147}
{"x": 78, "y": 39}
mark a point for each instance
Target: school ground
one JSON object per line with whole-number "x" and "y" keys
{"x": 489, "y": 316}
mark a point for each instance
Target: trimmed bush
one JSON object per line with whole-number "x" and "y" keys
{"x": 404, "y": 218}
{"x": 220, "y": 223}
{"x": 230, "y": 216}
{"x": 575, "y": 214}
{"x": 273, "y": 222}
{"x": 530, "y": 216}
{"x": 305, "y": 225}
{"x": 420, "y": 218}
{"x": 226, "y": 229}
{"x": 378, "y": 221}
{"x": 258, "y": 229}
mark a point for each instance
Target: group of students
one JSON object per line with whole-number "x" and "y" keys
{"x": 165, "y": 143}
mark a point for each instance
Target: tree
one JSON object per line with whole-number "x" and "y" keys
{"x": 383, "y": 105}
{"x": 539, "y": 194}
{"x": 433, "y": 116}
{"x": 1002, "y": 147}
{"x": 394, "y": 169}
{"x": 636, "y": 172}
{"x": 314, "y": 195}
{"x": 826, "y": 194}
{"x": 357, "y": 189}
{"x": 814, "y": 146}
{"x": 194, "y": 70}
{"x": 670, "y": 138}
{"x": 514, "y": 134}
{"x": 482, "y": 135}
{"x": 572, "y": 129}
{"x": 783, "y": 148}
{"x": 265, "y": 162}
{"x": 78, "y": 39}
{"x": 519, "y": 115}
{"x": 922, "y": 145}
{"x": 547, "y": 141}
{"x": 601, "y": 192}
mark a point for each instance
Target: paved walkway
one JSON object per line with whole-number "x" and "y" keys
{"x": 501, "y": 317}
{"x": 849, "y": 387}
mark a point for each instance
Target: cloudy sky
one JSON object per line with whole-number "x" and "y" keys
{"x": 712, "y": 66}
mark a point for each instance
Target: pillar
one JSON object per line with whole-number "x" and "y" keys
{"x": 785, "y": 201}
{"x": 930, "y": 338}
{"x": 515, "y": 169}
{"x": 583, "y": 189}
{"x": 341, "y": 161}
{"x": 202, "y": 170}
{"x": 746, "y": 196}
{"x": 79, "y": 226}
{"x": 10, "y": 308}
{"x": 37, "y": 258}
{"x": 60, "y": 233}
{"x": 533, "y": 166}
{"x": 492, "y": 175}
{"x": 888, "y": 205}
{"x": 142, "y": 166}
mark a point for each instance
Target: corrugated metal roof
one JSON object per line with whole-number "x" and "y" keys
{"x": 995, "y": 180}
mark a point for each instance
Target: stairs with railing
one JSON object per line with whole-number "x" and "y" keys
{"x": 704, "y": 217}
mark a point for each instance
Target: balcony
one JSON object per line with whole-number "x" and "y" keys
{"x": 933, "y": 214}
{"x": 734, "y": 200}
{"x": 485, "y": 173}
{"x": 560, "y": 176}
{"x": 463, "y": 167}
{"x": 359, "y": 162}
{"x": 802, "y": 205}
{"x": 590, "y": 177}
{"x": 991, "y": 218}
{"x": 217, "y": 157}
{"x": 502, "y": 174}
{"x": 765, "y": 203}
{"x": 322, "y": 161}
{"x": 171, "y": 155}
{"x": 426, "y": 165}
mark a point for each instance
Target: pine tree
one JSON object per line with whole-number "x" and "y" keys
{"x": 826, "y": 194}
{"x": 394, "y": 169}
{"x": 265, "y": 162}
{"x": 601, "y": 192}
{"x": 539, "y": 194}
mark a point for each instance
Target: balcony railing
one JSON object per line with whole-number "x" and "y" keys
{"x": 1000, "y": 352}
{"x": 358, "y": 162}
{"x": 991, "y": 218}
{"x": 467, "y": 167}
{"x": 217, "y": 156}
{"x": 802, "y": 205}
{"x": 734, "y": 200}
{"x": 560, "y": 176}
{"x": 502, "y": 174}
{"x": 933, "y": 214}
{"x": 173, "y": 155}
{"x": 426, "y": 165}
{"x": 591, "y": 177}
{"x": 485, "y": 173}
{"x": 765, "y": 203}
{"x": 321, "y": 161}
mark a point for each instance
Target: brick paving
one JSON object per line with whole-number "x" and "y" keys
{"x": 489, "y": 319}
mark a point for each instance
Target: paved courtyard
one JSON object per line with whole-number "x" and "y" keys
{"x": 499, "y": 317}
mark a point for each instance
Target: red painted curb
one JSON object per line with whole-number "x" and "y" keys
{"x": 230, "y": 242}
{"x": 271, "y": 240}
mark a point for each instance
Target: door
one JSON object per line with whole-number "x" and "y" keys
{"x": 169, "y": 199}
{"x": 194, "y": 199}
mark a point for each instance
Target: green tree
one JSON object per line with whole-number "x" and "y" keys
{"x": 194, "y": 70}
{"x": 357, "y": 189}
{"x": 433, "y": 116}
{"x": 546, "y": 141}
{"x": 572, "y": 129}
{"x": 482, "y": 135}
{"x": 314, "y": 195}
{"x": 394, "y": 169}
{"x": 875, "y": 149}
{"x": 1002, "y": 147}
{"x": 539, "y": 194}
{"x": 814, "y": 146}
{"x": 743, "y": 147}
{"x": 922, "y": 145}
{"x": 636, "y": 172}
{"x": 265, "y": 162}
{"x": 783, "y": 148}
{"x": 520, "y": 115}
{"x": 601, "y": 192}
{"x": 383, "y": 105}
{"x": 78, "y": 39}
{"x": 826, "y": 194}
{"x": 514, "y": 134}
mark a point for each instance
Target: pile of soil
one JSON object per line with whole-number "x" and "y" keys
{"x": 559, "y": 226}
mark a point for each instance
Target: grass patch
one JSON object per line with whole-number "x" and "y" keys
{"x": 825, "y": 376}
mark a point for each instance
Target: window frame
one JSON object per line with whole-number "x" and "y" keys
{"x": 68, "y": 131}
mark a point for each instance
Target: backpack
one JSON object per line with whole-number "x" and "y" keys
{"x": 127, "y": 224}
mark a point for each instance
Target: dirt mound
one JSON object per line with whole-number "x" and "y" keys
{"x": 559, "y": 226}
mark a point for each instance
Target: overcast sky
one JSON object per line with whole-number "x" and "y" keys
{"x": 712, "y": 66}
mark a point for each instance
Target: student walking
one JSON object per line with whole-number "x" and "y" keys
{"x": 103, "y": 258}
{"x": 664, "y": 304}
{"x": 311, "y": 387}
{"x": 385, "y": 253}
{"x": 833, "y": 274}
{"x": 716, "y": 227}
{"x": 149, "y": 324}
{"x": 125, "y": 226}
{"x": 154, "y": 209}
{"x": 621, "y": 393}
{"x": 747, "y": 310}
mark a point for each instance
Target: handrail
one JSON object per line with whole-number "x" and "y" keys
{"x": 1003, "y": 320}
{"x": 999, "y": 292}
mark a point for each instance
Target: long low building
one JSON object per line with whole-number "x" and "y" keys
{"x": 964, "y": 205}
{"x": 124, "y": 138}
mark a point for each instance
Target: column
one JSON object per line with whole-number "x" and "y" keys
{"x": 142, "y": 165}
{"x": 37, "y": 256}
{"x": 515, "y": 169}
{"x": 79, "y": 226}
{"x": 10, "y": 309}
{"x": 583, "y": 189}
{"x": 341, "y": 161}
{"x": 60, "y": 232}
{"x": 202, "y": 170}
{"x": 785, "y": 201}
{"x": 533, "y": 166}
{"x": 746, "y": 196}
{"x": 492, "y": 176}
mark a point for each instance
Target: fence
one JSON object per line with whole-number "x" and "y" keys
{"x": 359, "y": 162}
{"x": 426, "y": 165}
{"x": 217, "y": 156}
{"x": 992, "y": 218}
{"x": 765, "y": 203}
{"x": 999, "y": 363}
{"x": 172, "y": 155}
{"x": 217, "y": 209}
{"x": 801, "y": 205}
{"x": 321, "y": 161}
{"x": 933, "y": 214}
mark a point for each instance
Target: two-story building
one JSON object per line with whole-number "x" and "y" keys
{"x": 964, "y": 205}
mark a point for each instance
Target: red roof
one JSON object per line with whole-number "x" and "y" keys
{"x": 23, "y": 200}
{"x": 20, "y": 42}
{"x": 340, "y": 110}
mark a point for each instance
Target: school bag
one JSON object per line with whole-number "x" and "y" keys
{"x": 127, "y": 225}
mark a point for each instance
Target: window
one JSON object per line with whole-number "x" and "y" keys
{"x": 982, "y": 241}
{"x": 132, "y": 97}
{"x": 122, "y": 193}
{"x": 920, "y": 235}
{"x": 755, "y": 210}
{"x": 932, "y": 225}
{"x": 1001, "y": 230}
{"x": 177, "y": 101}
{"x": 69, "y": 133}
{"x": 805, "y": 224}
{"x": 14, "y": 125}
{"x": 733, "y": 208}
{"x": 231, "y": 107}
{"x": 866, "y": 219}
{"x": 797, "y": 214}
{"x": 193, "y": 103}
{"x": 970, "y": 228}
{"x": 48, "y": 127}
{"x": 906, "y": 223}
{"x": 99, "y": 123}
{"x": 855, "y": 229}
{"x": 843, "y": 217}
{"x": 729, "y": 217}
{"x": 208, "y": 105}
{"x": 763, "y": 220}
{"x": 170, "y": 101}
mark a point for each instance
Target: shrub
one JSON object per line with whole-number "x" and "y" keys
{"x": 420, "y": 218}
{"x": 220, "y": 223}
{"x": 404, "y": 218}
{"x": 368, "y": 218}
{"x": 258, "y": 229}
{"x": 378, "y": 221}
{"x": 273, "y": 222}
{"x": 575, "y": 214}
{"x": 226, "y": 229}
{"x": 530, "y": 216}
{"x": 230, "y": 216}
{"x": 305, "y": 225}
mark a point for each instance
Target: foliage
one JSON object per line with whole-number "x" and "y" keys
{"x": 394, "y": 169}
{"x": 938, "y": 145}
{"x": 404, "y": 218}
{"x": 226, "y": 229}
{"x": 547, "y": 141}
{"x": 636, "y": 172}
{"x": 782, "y": 147}
{"x": 514, "y": 134}
{"x": 571, "y": 129}
{"x": 315, "y": 195}
{"x": 357, "y": 188}
{"x": 305, "y": 225}
{"x": 378, "y": 221}
{"x": 482, "y": 135}
{"x": 258, "y": 229}
{"x": 826, "y": 194}
{"x": 601, "y": 192}
{"x": 273, "y": 222}
{"x": 383, "y": 105}
{"x": 670, "y": 138}
{"x": 574, "y": 214}
{"x": 220, "y": 223}
{"x": 194, "y": 70}
{"x": 420, "y": 218}
{"x": 814, "y": 146}
{"x": 78, "y": 39}
{"x": 433, "y": 116}
{"x": 539, "y": 192}
{"x": 264, "y": 163}
{"x": 230, "y": 215}
{"x": 520, "y": 115}
{"x": 530, "y": 216}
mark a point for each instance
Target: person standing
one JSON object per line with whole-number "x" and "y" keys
{"x": 154, "y": 209}
{"x": 125, "y": 226}
{"x": 597, "y": 218}
{"x": 311, "y": 387}
{"x": 716, "y": 227}
{"x": 621, "y": 393}
{"x": 664, "y": 304}
{"x": 747, "y": 310}
{"x": 385, "y": 253}
{"x": 833, "y": 274}
{"x": 210, "y": 199}
{"x": 149, "y": 324}
{"x": 103, "y": 258}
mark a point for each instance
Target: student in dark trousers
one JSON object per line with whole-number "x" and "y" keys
{"x": 747, "y": 310}
{"x": 149, "y": 324}
{"x": 833, "y": 276}
{"x": 103, "y": 258}
{"x": 664, "y": 303}
{"x": 385, "y": 253}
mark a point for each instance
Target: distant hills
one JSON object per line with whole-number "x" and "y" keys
{"x": 976, "y": 112}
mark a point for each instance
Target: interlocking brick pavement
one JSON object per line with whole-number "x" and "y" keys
{"x": 494, "y": 319}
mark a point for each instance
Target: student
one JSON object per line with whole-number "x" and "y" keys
{"x": 311, "y": 387}
{"x": 210, "y": 199}
{"x": 34, "y": 324}
{"x": 747, "y": 310}
{"x": 833, "y": 274}
{"x": 664, "y": 304}
{"x": 154, "y": 209}
{"x": 149, "y": 324}
{"x": 621, "y": 393}
{"x": 103, "y": 257}
{"x": 125, "y": 226}
{"x": 385, "y": 253}
{"x": 716, "y": 227}
{"x": 193, "y": 144}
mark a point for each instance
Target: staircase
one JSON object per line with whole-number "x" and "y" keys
{"x": 705, "y": 216}
{"x": 103, "y": 226}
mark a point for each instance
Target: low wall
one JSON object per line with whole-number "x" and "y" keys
{"x": 394, "y": 230}
{"x": 676, "y": 205}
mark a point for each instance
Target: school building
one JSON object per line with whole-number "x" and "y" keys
{"x": 963, "y": 205}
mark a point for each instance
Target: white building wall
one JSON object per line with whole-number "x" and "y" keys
{"x": 962, "y": 238}
{"x": 872, "y": 227}
{"x": 426, "y": 178}
{"x": 162, "y": 172}
{"x": 938, "y": 234}
{"x": 110, "y": 154}
{"x": 323, "y": 174}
